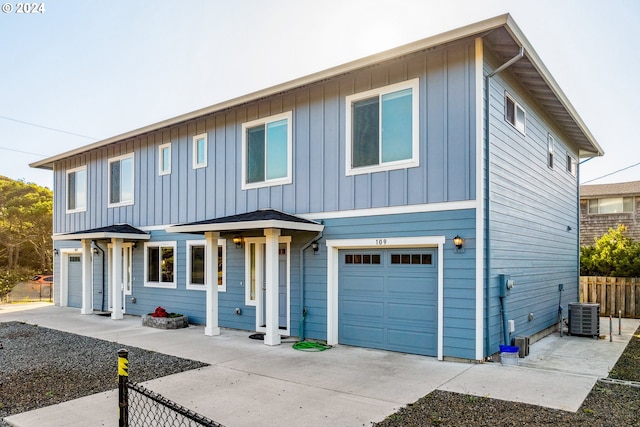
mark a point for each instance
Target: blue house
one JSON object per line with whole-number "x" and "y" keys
{"x": 421, "y": 200}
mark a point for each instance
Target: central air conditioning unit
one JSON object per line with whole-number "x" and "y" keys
{"x": 584, "y": 319}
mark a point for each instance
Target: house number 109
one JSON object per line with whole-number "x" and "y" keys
{"x": 381, "y": 242}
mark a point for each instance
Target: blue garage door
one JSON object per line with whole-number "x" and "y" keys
{"x": 74, "y": 281}
{"x": 388, "y": 300}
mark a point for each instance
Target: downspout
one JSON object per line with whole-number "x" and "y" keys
{"x": 95, "y": 245}
{"x": 304, "y": 310}
{"x": 488, "y": 191}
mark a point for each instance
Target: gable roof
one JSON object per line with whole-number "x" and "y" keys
{"x": 260, "y": 219}
{"x": 630, "y": 188}
{"x": 116, "y": 231}
{"x": 501, "y": 33}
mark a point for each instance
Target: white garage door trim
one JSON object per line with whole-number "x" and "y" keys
{"x": 333, "y": 247}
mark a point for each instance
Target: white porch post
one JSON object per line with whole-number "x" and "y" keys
{"x": 272, "y": 336}
{"x": 211, "y": 280}
{"x": 87, "y": 303}
{"x": 116, "y": 279}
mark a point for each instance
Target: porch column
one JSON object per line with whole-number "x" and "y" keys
{"x": 116, "y": 279}
{"x": 272, "y": 336}
{"x": 87, "y": 303}
{"x": 211, "y": 280}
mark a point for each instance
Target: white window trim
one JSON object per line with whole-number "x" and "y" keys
{"x": 70, "y": 171}
{"x": 196, "y": 286}
{"x": 133, "y": 174}
{"x": 414, "y": 85}
{"x": 516, "y": 106}
{"x": 551, "y": 148}
{"x": 264, "y": 121}
{"x": 197, "y": 165}
{"x": 167, "y": 285}
{"x": 161, "y": 148}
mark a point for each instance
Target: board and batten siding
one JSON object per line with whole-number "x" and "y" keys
{"x": 533, "y": 216}
{"x": 447, "y": 153}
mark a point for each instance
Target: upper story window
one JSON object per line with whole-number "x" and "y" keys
{"x": 514, "y": 113}
{"x": 196, "y": 264}
{"x": 611, "y": 205}
{"x": 121, "y": 180}
{"x": 266, "y": 151}
{"x": 550, "y": 148}
{"x": 200, "y": 151}
{"x": 383, "y": 128}
{"x": 77, "y": 189}
{"x": 159, "y": 264}
{"x": 164, "y": 159}
{"x": 572, "y": 165}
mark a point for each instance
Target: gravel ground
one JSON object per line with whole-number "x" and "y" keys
{"x": 614, "y": 405}
{"x": 41, "y": 367}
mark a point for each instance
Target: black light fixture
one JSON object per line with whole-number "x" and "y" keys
{"x": 95, "y": 251}
{"x": 315, "y": 247}
{"x": 458, "y": 242}
{"x": 239, "y": 241}
{"x": 56, "y": 252}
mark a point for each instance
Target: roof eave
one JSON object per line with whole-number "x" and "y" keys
{"x": 244, "y": 225}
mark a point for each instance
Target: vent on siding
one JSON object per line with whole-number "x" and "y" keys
{"x": 584, "y": 319}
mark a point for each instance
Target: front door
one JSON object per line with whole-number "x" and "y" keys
{"x": 125, "y": 280}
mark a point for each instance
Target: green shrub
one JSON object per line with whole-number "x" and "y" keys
{"x": 614, "y": 255}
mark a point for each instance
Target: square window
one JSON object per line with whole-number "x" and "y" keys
{"x": 164, "y": 159}
{"x": 266, "y": 151}
{"x": 77, "y": 190}
{"x": 200, "y": 151}
{"x": 160, "y": 264}
{"x": 514, "y": 114}
{"x": 121, "y": 180}
{"x": 383, "y": 128}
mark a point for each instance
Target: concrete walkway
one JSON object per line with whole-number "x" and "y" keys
{"x": 251, "y": 384}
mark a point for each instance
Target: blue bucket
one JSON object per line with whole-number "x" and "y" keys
{"x": 509, "y": 349}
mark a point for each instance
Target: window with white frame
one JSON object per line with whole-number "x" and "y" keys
{"x": 514, "y": 114}
{"x": 550, "y": 149}
{"x": 200, "y": 151}
{"x": 572, "y": 165}
{"x": 383, "y": 128}
{"x": 196, "y": 264}
{"x": 77, "y": 189}
{"x": 266, "y": 151}
{"x": 164, "y": 159}
{"x": 611, "y": 205}
{"x": 121, "y": 180}
{"x": 160, "y": 264}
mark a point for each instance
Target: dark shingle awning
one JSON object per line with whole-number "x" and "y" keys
{"x": 117, "y": 231}
{"x": 260, "y": 219}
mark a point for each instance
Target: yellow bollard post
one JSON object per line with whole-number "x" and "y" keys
{"x": 123, "y": 392}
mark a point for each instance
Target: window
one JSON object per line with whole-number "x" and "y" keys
{"x": 77, "y": 189}
{"x": 266, "y": 151}
{"x": 196, "y": 264}
{"x": 164, "y": 159}
{"x": 362, "y": 259}
{"x": 425, "y": 259}
{"x": 572, "y": 165}
{"x": 611, "y": 205}
{"x": 383, "y": 128}
{"x": 514, "y": 113}
{"x": 121, "y": 180}
{"x": 159, "y": 265}
{"x": 200, "y": 151}
{"x": 550, "y": 148}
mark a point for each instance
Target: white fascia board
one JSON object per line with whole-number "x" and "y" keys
{"x": 100, "y": 236}
{"x": 244, "y": 225}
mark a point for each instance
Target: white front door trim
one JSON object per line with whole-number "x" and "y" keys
{"x": 64, "y": 273}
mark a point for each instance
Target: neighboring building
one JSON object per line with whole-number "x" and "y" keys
{"x": 605, "y": 206}
{"x": 332, "y": 204}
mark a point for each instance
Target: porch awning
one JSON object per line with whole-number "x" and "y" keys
{"x": 256, "y": 220}
{"x": 117, "y": 231}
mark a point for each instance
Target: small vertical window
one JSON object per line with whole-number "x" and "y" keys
{"x": 164, "y": 159}
{"x": 196, "y": 264}
{"x": 572, "y": 165}
{"x": 200, "y": 151}
{"x": 121, "y": 180}
{"x": 550, "y": 149}
{"x": 77, "y": 189}
{"x": 514, "y": 114}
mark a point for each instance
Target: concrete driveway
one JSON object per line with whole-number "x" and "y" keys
{"x": 251, "y": 384}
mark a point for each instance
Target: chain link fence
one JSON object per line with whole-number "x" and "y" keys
{"x": 141, "y": 407}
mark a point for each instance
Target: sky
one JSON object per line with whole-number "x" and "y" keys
{"x": 79, "y": 71}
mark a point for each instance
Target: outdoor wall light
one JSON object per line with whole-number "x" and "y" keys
{"x": 458, "y": 242}
{"x": 56, "y": 252}
{"x": 95, "y": 250}
{"x": 315, "y": 247}
{"x": 239, "y": 241}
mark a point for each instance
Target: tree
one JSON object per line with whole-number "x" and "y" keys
{"x": 614, "y": 254}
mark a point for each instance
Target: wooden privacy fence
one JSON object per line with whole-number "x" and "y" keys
{"x": 613, "y": 294}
